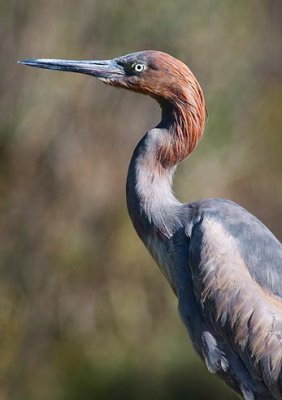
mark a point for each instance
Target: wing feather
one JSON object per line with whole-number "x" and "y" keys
{"x": 239, "y": 308}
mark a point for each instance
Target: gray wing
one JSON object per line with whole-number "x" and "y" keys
{"x": 236, "y": 266}
{"x": 260, "y": 250}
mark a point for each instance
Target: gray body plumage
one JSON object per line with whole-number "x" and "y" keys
{"x": 225, "y": 268}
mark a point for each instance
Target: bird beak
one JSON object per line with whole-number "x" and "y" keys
{"x": 106, "y": 69}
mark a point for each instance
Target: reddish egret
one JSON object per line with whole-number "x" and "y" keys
{"x": 223, "y": 264}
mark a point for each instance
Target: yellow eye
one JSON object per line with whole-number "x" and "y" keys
{"x": 138, "y": 67}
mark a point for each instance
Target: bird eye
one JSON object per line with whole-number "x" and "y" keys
{"x": 138, "y": 67}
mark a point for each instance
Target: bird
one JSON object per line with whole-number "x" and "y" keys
{"x": 223, "y": 264}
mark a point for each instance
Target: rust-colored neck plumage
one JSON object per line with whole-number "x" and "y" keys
{"x": 184, "y": 113}
{"x": 151, "y": 201}
{"x": 173, "y": 85}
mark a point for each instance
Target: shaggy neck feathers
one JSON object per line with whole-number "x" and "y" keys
{"x": 183, "y": 115}
{"x": 149, "y": 185}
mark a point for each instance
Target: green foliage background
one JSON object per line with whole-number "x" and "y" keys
{"x": 84, "y": 311}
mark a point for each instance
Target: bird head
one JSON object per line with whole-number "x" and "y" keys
{"x": 149, "y": 72}
{"x": 154, "y": 73}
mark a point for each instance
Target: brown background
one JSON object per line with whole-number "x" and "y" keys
{"x": 84, "y": 312}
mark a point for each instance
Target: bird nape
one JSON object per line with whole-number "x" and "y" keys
{"x": 223, "y": 264}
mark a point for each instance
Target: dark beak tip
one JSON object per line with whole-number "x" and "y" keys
{"x": 25, "y": 62}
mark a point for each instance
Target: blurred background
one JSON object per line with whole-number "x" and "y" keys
{"x": 84, "y": 311}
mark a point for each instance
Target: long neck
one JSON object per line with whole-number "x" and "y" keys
{"x": 151, "y": 203}
{"x": 149, "y": 192}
